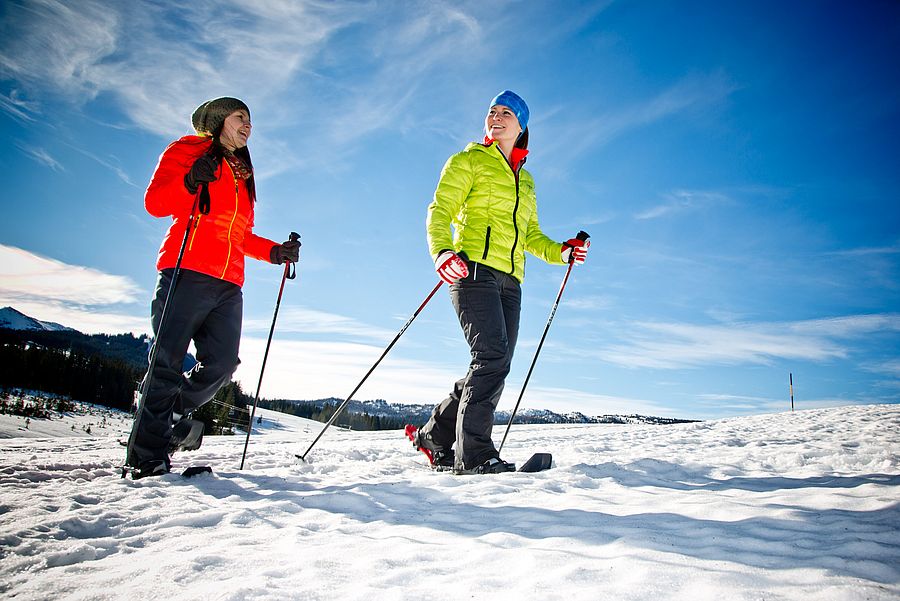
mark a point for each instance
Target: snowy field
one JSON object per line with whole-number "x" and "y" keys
{"x": 801, "y": 506}
{"x": 86, "y": 421}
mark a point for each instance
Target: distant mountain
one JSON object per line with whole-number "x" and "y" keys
{"x": 133, "y": 351}
{"x": 419, "y": 414}
{"x": 15, "y": 320}
{"x": 20, "y": 329}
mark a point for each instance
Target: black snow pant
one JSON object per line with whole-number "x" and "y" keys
{"x": 208, "y": 311}
{"x": 488, "y": 304}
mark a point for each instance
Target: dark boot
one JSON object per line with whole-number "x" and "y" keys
{"x": 156, "y": 467}
{"x": 438, "y": 457}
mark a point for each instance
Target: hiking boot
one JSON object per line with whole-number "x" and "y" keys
{"x": 187, "y": 435}
{"x": 438, "y": 457}
{"x": 155, "y": 467}
{"x": 443, "y": 460}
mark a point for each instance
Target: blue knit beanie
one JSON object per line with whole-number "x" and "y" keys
{"x": 514, "y": 102}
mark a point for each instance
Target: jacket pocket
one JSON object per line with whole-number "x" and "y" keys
{"x": 487, "y": 243}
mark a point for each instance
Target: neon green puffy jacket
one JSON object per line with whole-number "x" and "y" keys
{"x": 493, "y": 212}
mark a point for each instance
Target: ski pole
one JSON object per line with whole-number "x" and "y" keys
{"x": 202, "y": 202}
{"x": 289, "y": 274}
{"x": 582, "y": 235}
{"x": 371, "y": 369}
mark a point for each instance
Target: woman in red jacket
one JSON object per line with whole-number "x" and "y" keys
{"x": 207, "y": 303}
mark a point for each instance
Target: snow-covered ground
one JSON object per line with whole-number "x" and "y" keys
{"x": 85, "y": 421}
{"x": 801, "y": 506}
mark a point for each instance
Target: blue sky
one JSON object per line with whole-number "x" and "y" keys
{"x": 737, "y": 165}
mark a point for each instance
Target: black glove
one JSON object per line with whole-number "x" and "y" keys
{"x": 203, "y": 170}
{"x": 286, "y": 252}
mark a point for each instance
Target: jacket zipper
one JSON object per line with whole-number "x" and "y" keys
{"x": 512, "y": 252}
{"x": 231, "y": 225}
{"x": 194, "y": 233}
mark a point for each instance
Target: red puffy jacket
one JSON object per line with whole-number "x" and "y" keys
{"x": 219, "y": 240}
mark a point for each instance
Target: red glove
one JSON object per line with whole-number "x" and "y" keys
{"x": 575, "y": 250}
{"x": 450, "y": 267}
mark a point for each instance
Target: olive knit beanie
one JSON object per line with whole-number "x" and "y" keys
{"x": 209, "y": 117}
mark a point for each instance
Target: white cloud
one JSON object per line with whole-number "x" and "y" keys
{"x": 851, "y": 326}
{"x": 310, "y": 321}
{"x": 591, "y": 303}
{"x": 52, "y": 41}
{"x": 680, "y": 201}
{"x": 691, "y": 93}
{"x": 678, "y": 345}
{"x": 152, "y": 57}
{"x": 158, "y": 61}
{"x": 41, "y": 156}
{"x": 90, "y": 320}
{"x": 71, "y": 295}
{"x": 17, "y": 107}
{"x": 109, "y": 164}
{"x": 312, "y": 370}
{"x": 868, "y": 251}
{"x": 890, "y": 367}
{"x": 563, "y": 400}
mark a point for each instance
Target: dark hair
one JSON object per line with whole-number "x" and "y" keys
{"x": 522, "y": 142}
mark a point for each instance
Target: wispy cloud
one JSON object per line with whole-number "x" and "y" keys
{"x": 867, "y": 251}
{"x": 72, "y": 295}
{"x": 301, "y": 320}
{"x": 691, "y": 93}
{"x": 17, "y": 107}
{"x": 715, "y": 405}
{"x": 680, "y": 201}
{"x": 591, "y": 303}
{"x": 890, "y": 367}
{"x": 151, "y": 56}
{"x": 109, "y": 164}
{"x": 158, "y": 61}
{"x": 42, "y": 156}
{"x": 677, "y": 345}
{"x": 51, "y": 46}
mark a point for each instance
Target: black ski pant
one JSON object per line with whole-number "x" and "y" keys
{"x": 488, "y": 304}
{"x": 208, "y": 311}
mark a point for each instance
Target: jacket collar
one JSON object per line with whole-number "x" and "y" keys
{"x": 518, "y": 154}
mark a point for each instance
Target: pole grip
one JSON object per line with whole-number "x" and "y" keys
{"x": 290, "y": 269}
{"x": 581, "y": 235}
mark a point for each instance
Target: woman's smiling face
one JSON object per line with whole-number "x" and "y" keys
{"x": 502, "y": 125}
{"x": 236, "y": 130}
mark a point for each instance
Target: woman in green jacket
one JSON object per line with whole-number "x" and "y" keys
{"x": 487, "y": 199}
